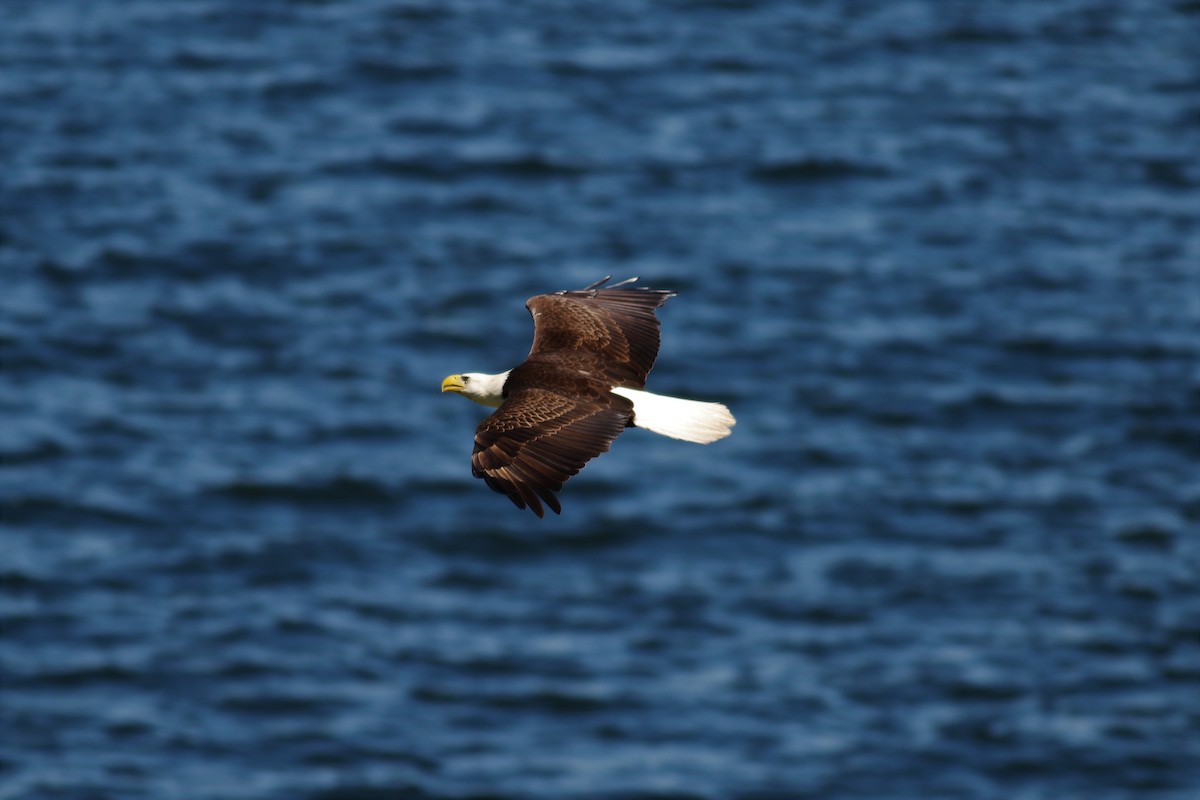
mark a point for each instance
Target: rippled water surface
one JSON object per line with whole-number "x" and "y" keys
{"x": 941, "y": 259}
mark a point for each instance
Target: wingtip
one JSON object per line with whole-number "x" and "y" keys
{"x": 603, "y": 284}
{"x": 597, "y": 284}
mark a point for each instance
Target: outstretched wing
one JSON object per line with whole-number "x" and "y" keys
{"x": 538, "y": 439}
{"x": 610, "y": 334}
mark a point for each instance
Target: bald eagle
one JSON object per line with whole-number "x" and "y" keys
{"x": 581, "y": 385}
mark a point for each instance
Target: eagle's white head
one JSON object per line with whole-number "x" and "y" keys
{"x": 487, "y": 390}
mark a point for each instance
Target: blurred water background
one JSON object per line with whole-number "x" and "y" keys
{"x": 942, "y": 259}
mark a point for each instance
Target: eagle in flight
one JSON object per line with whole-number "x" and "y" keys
{"x": 582, "y": 384}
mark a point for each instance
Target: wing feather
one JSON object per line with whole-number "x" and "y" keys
{"x": 610, "y": 334}
{"x": 538, "y": 439}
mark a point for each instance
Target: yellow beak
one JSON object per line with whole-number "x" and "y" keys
{"x": 453, "y": 383}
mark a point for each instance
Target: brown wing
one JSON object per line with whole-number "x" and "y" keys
{"x": 611, "y": 334}
{"x": 538, "y": 439}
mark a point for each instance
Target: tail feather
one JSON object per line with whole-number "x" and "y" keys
{"x": 689, "y": 420}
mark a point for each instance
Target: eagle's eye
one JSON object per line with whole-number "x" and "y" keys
{"x": 466, "y": 379}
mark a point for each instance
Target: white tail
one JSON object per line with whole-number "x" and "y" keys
{"x": 689, "y": 420}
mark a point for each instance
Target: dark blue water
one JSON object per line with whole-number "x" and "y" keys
{"x": 942, "y": 259}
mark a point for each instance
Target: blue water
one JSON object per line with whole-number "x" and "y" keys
{"x": 941, "y": 259}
